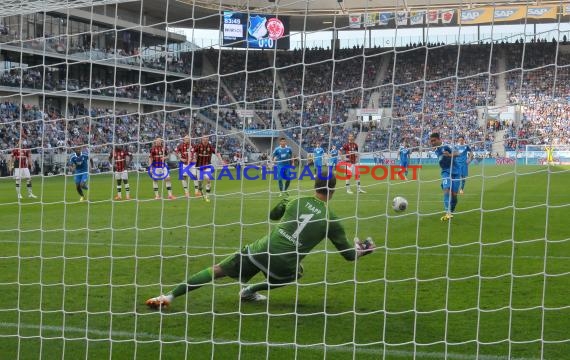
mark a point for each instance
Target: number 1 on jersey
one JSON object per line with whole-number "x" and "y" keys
{"x": 306, "y": 218}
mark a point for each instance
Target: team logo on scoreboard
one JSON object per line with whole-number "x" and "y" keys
{"x": 257, "y": 27}
{"x": 276, "y": 28}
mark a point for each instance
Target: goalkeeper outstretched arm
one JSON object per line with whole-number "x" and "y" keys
{"x": 349, "y": 251}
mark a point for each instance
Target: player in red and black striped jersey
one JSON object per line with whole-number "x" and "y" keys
{"x": 350, "y": 150}
{"x": 157, "y": 160}
{"x": 22, "y": 163}
{"x": 119, "y": 158}
{"x": 185, "y": 154}
{"x": 203, "y": 158}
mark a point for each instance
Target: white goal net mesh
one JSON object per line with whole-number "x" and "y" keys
{"x": 99, "y": 99}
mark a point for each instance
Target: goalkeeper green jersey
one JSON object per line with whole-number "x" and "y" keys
{"x": 305, "y": 222}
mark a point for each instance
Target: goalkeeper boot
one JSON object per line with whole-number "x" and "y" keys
{"x": 158, "y": 302}
{"x": 206, "y": 198}
{"x": 82, "y": 199}
{"x": 460, "y": 191}
{"x": 246, "y": 295}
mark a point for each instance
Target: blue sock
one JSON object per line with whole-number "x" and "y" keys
{"x": 280, "y": 185}
{"x": 453, "y": 202}
{"x": 446, "y": 201}
{"x": 287, "y": 183}
{"x": 462, "y": 184}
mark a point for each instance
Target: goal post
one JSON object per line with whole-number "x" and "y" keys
{"x": 546, "y": 154}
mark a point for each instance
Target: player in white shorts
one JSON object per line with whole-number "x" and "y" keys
{"x": 22, "y": 161}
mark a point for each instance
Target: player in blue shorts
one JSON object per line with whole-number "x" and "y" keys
{"x": 464, "y": 158}
{"x": 333, "y": 157}
{"x": 319, "y": 156}
{"x": 81, "y": 161}
{"x": 404, "y": 156}
{"x": 450, "y": 174}
{"x": 283, "y": 159}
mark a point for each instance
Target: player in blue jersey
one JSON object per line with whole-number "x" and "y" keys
{"x": 464, "y": 158}
{"x": 81, "y": 161}
{"x": 333, "y": 157}
{"x": 319, "y": 154}
{"x": 283, "y": 159}
{"x": 404, "y": 156}
{"x": 450, "y": 174}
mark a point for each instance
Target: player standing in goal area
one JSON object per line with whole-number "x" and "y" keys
{"x": 450, "y": 174}
{"x": 157, "y": 160}
{"x": 464, "y": 159}
{"x": 305, "y": 222}
{"x": 22, "y": 163}
{"x": 80, "y": 160}
{"x": 185, "y": 153}
{"x": 203, "y": 158}
{"x": 119, "y": 158}
{"x": 350, "y": 150}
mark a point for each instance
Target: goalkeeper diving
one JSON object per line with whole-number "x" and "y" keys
{"x": 304, "y": 223}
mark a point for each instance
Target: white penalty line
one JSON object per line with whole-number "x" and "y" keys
{"x": 422, "y": 251}
{"x": 145, "y": 336}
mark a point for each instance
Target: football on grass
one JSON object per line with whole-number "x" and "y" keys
{"x": 399, "y": 204}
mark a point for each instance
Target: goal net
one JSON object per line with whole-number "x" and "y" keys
{"x": 105, "y": 106}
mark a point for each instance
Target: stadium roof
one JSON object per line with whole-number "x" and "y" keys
{"x": 321, "y": 13}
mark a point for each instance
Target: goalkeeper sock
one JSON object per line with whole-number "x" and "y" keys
{"x": 453, "y": 202}
{"x": 287, "y": 183}
{"x": 462, "y": 184}
{"x": 194, "y": 282}
{"x": 446, "y": 201}
{"x": 280, "y": 185}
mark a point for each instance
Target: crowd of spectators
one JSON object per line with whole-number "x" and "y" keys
{"x": 98, "y": 128}
{"x": 425, "y": 88}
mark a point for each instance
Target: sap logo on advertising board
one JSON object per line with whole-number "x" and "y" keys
{"x": 471, "y": 15}
{"x": 505, "y": 13}
{"x": 537, "y": 11}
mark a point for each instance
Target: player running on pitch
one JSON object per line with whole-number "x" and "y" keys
{"x": 305, "y": 222}
{"x": 450, "y": 174}
{"x": 81, "y": 161}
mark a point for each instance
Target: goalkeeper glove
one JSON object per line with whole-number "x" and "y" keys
{"x": 364, "y": 247}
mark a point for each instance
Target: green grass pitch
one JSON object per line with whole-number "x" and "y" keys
{"x": 492, "y": 284}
